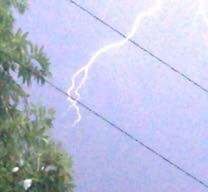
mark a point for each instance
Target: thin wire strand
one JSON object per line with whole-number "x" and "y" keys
{"x": 128, "y": 135}
{"x": 118, "y": 128}
{"x": 186, "y": 77}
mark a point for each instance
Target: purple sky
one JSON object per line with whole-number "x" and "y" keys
{"x": 130, "y": 88}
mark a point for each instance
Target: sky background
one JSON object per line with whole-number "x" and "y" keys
{"x": 130, "y": 88}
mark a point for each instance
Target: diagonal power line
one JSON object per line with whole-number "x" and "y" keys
{"x": 128, "y": 135}
{"x": 137, "y": 45}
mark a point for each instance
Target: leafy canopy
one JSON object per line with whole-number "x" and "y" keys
{"x": 29, "y": 160}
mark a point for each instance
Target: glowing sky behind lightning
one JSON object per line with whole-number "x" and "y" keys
{"x": 79, "y": 79}
{"x": 129, "y": 88}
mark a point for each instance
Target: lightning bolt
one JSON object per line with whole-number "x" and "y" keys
{"x": 83, "y": 72}
{"x": 202, "y": 14}
{"x": 202, "y": 6}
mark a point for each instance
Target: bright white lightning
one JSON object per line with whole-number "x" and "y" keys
{"x": 83, "y": 72}
{"x": 202, "y": 7}
{"x": 202, "y": 15}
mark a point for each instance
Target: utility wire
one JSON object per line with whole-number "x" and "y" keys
{"x": 128, "y": 135}
{"x": 183, "y": 75}
{"x": 117, "y": 127}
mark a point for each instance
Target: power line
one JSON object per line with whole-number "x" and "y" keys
{"x": 118, "y": 128}
{"x": 128, "y": 135}
{"x": 140, "y": 47}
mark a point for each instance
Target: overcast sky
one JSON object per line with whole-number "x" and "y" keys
{"x": 130, "y": 88}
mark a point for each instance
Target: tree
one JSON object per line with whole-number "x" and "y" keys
{"x": 29, "y": 159}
